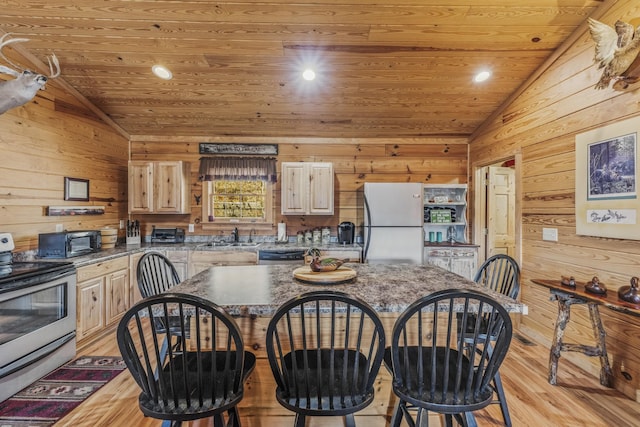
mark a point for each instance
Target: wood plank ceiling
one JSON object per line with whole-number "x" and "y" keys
{"x": 401, "y": 68}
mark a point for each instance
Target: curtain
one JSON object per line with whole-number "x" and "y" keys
{"x": 238, "y": 169}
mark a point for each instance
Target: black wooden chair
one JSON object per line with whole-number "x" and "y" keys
{"x": 436, "y": 369}
{"x": 200, "y": 377}
{"x": 156, "y": 274}
{"x": 325, "y": 349}
{"x": 500, "y": 273}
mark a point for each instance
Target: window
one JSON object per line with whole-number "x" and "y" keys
{"x": 237, "y": 190}
{"x": 236, "y": 201}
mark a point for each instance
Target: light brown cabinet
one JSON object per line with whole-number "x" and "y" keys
{"x": 460, "y": 260}
{"x": 180, "y": 260}
{"x": 134, "y": 291}
{"x": 159, "y": 187}
{"x": 89, "y": 310}
{"x": 103, "y": 291}
{"x": 307, "y": 188}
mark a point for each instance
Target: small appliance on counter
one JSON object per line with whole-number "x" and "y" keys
{"x": 6, "y": 256}
{"x": 67, "y": 244}
{"x": 346, "y": 233}
{"x": 167, "y": 235}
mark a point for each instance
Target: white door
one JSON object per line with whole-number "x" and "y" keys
{"x": 395, "y": 245}
{"x": 501, "y": 229}
{"x": 394, "y": 204}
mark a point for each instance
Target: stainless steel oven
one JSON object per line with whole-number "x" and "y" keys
{"x": 37, "y": 322}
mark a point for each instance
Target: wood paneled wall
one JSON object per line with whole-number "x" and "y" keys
{"x": 541, "y": 125}
{"x": 429, "y": 160}
{"x": 54, "y": 136}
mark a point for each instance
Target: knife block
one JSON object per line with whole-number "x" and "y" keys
{"x": 133, "y": 240}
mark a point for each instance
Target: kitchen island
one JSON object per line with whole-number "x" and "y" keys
{"x": 259, "y": 290}
{"x": 253, "y": 293}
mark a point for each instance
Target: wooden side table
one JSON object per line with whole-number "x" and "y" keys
{"x": 565, "y": 301}
{"x": 568, "y": 296}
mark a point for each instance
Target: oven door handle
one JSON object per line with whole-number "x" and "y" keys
{"x": 36, "y": 355}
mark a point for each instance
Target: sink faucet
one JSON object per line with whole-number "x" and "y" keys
{"x": 251, "y": 232}
{"x": 235, "y": 234}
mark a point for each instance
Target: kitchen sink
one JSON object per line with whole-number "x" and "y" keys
{"x": 214, "y": 244}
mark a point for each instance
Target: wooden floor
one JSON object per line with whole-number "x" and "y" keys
{"x": 577, "y": 400}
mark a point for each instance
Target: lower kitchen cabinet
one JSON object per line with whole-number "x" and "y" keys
{"x": 180, "y": 260}
{"x": 201, "y": 260}
{"x": 134, "y": 291}
{"x": 103, "y": 295}
{"x": 460, "y": 260}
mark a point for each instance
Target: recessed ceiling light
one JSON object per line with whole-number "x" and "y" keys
{"x": 162, "y": 72}
{"x": 482, "y": 76}
{"x": 309, "y": 74}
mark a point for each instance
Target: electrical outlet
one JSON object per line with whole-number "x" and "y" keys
{"x": 59, "y": 228}
{"x": 191, "y": 228}
{"x": 550, "y": 234}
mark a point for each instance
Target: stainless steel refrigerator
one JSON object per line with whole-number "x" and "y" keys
{"x": 393, "y": 222}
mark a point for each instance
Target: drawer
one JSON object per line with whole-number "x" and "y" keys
{"x": 102, "y": 268}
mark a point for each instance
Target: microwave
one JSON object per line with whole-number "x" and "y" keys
{"x": 67, "y": 244}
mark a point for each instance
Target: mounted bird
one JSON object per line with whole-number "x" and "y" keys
{"x": 616, "y": 49}
{"x": 25, "y": 85}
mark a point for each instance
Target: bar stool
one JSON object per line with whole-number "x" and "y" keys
{"x": 436, "y": 369}
{"x": 325, "y": 349}
{"x": 198, "y": 378}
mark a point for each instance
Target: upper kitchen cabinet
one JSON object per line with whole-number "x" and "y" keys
{"x": 307, "y": 188}
{"x": 159, "y": 187}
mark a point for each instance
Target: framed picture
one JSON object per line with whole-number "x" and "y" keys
{"x": 76, "y": 189}
{"x": 607, "y": 162}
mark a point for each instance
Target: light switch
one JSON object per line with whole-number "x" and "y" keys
{"x": 550, "y": 234}
{"x": 191, "y": 228}
{"x": 59, "y": 228}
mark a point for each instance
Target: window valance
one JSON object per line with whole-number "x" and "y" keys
{"x": 237, "y": 168}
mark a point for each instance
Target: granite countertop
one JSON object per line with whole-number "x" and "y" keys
{"x": 124, "y": 250}
{"x": 261, "y": 289}
{"x": 450, "y": 245}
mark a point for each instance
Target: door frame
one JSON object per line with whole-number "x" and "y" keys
{"x": 479, "y": 204}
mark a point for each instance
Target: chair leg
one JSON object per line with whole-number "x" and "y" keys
{"x": 218, "y": 420}
{"x": 448, "y": 420}
{"x": 502, "y": 400}
{"x": 350, "y": 420}
{"x": 300, "y": 420}
{"x": 233, "y": 417}
{"x": 398, "y": 414}
{"x": 422, "y": 418}
{"x": 469, "y": 420}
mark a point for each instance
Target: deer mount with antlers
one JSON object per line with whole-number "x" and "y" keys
{"x": 25, "y": 85}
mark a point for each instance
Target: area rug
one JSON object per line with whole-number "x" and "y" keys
{"x": 55, "y": 395}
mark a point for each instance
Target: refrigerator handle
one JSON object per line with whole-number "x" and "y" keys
{"x": 368, "y": 231}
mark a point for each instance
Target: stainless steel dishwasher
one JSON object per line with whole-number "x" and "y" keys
{"x": 281, "y": 256}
